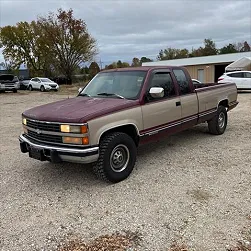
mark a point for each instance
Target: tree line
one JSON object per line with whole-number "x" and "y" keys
{"x": 60, "y": 44}
{"x": 51, "y": 45}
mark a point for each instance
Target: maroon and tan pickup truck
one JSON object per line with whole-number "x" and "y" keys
{"x": 119, "y": 110}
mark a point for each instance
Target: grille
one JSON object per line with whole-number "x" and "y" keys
{"x": 52, "y": 85}
{"x": 9, "y": 85}
{"x": 43, "y": 126}
{"x": 45, "y": 137}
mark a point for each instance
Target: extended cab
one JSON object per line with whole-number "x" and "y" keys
{"x": 119, "y": 110}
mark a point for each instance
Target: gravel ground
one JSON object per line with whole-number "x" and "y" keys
{"x": 193, "y": 188}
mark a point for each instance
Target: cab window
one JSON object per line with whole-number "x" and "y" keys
{"x": 164, "y": 80}
{"x": 182, "y": 81}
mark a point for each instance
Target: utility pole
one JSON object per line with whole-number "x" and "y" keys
{"x": 100, "y": 63}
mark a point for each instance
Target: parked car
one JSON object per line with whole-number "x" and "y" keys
{"x": 24, "y": 83}
{"x": 9, "y": 82}
{"x": 242, "y": 79}
{"x": 119, "y": 110}
{"x": 42, "y": 84}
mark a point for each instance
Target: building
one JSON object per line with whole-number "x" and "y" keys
{"x": 210, "y": 68}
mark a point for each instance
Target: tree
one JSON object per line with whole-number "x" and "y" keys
{"x": 145, "y": 59}
{"x": 135, "y": 62}
{"x": 245, "y": 47}
{"x": 8, "y": 66}
{"x": 230, "y": 48}
{"x": 93, "y": 69}
{"x": 125, "y": 65}
{"x": 172, "y": 53}
{"x": 56, "y": 43}
{"x": 209, "y": 47}
{"x": 23, "y": 43}
{"x": 119, "y": 64}
{"x": 68, "y": 40}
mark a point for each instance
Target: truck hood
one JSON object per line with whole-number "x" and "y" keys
{"x": 78, "y": 109}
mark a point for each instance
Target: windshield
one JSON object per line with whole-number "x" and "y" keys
{"x": 45, "y": 80}
{"x": 120, "y": 84}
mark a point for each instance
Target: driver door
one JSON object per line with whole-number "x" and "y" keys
{"x": 161, "y": 115}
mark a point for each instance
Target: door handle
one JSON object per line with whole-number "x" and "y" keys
{"x": 178, "y": 103}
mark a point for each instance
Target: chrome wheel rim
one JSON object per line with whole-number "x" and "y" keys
{"x": 221, "y": 120}
{"x": 119, "y": 158}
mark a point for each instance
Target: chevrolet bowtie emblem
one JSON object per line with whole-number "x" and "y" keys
{"x": 38, "y": 131}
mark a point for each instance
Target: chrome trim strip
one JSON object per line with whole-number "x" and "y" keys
{"x": 61, "y": 149}
{"x": 171, "y": 125}
{"x": 49, "y": 142}
{"x": 207, "y": 113}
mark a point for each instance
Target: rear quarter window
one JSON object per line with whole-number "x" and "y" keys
{"x": 236, "y": 75}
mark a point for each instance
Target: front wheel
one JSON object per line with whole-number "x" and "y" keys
{"x": 30, "y": 88}
{"x": 117, "y": 157}
{"x": 15, "y": 91}
{"x": 217, "y": 125}
{"x": 42, "y": 89}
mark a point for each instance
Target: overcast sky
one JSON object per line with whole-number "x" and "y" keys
{"x": 125, "y": 29}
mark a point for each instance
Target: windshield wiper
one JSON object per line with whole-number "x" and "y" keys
{"x": 110, "y": 94}
{"x": 84, "y": 95}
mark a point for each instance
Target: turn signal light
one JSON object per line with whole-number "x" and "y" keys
{"x": 85, "y": 141}
{"x": 72, "y": 140}
{"x": 84, "y": 129}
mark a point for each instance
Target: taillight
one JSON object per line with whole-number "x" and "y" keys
{"x": 219, "y": 79}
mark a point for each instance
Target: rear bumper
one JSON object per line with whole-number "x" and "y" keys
{"x": 59, "y": 153}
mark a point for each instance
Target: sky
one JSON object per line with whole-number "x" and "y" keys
{"x": 136, "y": 28}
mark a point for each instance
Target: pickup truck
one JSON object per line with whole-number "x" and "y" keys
{"x": 119, "y": 110}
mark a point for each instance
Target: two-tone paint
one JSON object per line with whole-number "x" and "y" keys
{"x": 142, "y": 119}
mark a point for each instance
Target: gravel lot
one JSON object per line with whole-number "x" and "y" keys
{"x": 192, "y": 188}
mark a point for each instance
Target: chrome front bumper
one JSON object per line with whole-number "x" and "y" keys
{"x": 59, "y": 153}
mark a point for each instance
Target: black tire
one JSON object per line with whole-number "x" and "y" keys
{"x": 15, "y": 91}
{"x": 217, "y": 125}
{"x": 30, "y": 88}
{"x": 42, "y": 89}
{"x": 119, "y": 149}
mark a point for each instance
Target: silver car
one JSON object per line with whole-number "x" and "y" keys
{"x": 9, "y": 82}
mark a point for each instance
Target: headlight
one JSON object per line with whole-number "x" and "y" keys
{"x": 76, "y": 141}
{"x": 24, "y": 120}
{"x": 74, "y": 129}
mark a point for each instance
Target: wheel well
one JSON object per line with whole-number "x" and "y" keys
{"x": 224, "y": 103}
{"x": 128, "y": 129}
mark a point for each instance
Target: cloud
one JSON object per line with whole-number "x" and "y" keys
{"x": 125, "y": 29}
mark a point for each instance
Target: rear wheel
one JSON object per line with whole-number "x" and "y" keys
{"x": 30, "y": 88}
{"x": 117, "y": 157}
{"x": 217, "y": 125}
{"x": 42, "y": 89}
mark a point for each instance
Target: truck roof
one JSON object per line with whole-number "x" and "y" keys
{"x": 142, "y": 68}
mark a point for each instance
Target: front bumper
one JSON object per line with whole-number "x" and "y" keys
{"x": 59, "y": 153}
{"x": 9, "y": 87}
{"x": 48, "y": 88}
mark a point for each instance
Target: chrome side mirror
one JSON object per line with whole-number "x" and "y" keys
{"x": 157, "y": 92}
